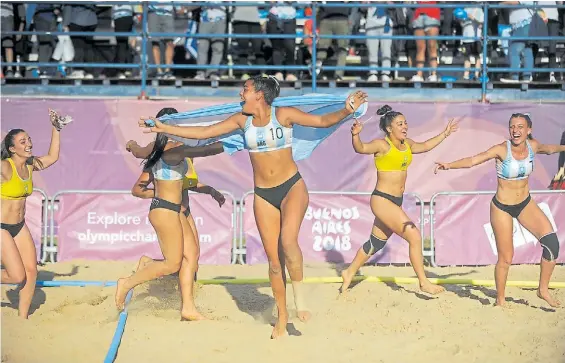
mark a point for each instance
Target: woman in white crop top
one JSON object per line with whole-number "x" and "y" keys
{"x": 166, "y": 162}
{"x": 514, "y": 163}
{"x": 281, "y": 197}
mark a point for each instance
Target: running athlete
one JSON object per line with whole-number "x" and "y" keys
{"x": 168, "y": 165}
{"x": 281, "y": 197}
{"x": 191, "y": 245}
{"x": 19, "y": 257}
{"x": 514, "y": 163}
{"x": 393, "y": 156}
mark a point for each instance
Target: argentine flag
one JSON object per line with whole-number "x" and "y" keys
{"x": 305, "y": 139}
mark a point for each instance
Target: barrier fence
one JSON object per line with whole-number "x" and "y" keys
{"x": 113, "y": 225}
{"x": 314, "y": 67}
{"x": 335, "y": 226}
{"x": 461, "y": 232}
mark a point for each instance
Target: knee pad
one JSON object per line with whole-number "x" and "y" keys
{"x": 373, "y": 245}
{"x": 550, "y": 245}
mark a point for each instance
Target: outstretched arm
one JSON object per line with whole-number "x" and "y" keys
{"x": 422, "y": 147}
{"x": 230, "y": 124}
{"x": 206, "y": 189}
{"x": 291, "y": 115}
{"x": 547, "y": 149}
{"x": 373, "y": 147}
{"x": 140, "y": 152}
{"x": 140, "y": 188}
{"x": 177, "y": 154}
{"x": 43, "y": 162}
{"x": 494, "y": 152}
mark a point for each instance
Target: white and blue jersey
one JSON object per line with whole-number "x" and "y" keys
{"x": 163, "y": 171}
{"x": 512, "y": 169}
{"x": 271, "y": 137}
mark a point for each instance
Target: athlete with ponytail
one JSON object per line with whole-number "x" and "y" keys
{"x": 514, "y": 163}
{"x": 393, "y": 156}
{"x": 19, "y": 257}
{"x": 166, "y": 161}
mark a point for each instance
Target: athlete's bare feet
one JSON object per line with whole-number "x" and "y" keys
{"x": 347, "y": 278}
{"x": 143, "y": 261}
{"x": 431, "y": 288}
{"x": 303, "y": 315}
{"x": 121, "y": 293}
{"x": 545, "y": 295}
{"x": 500, "y": 302}
{"x": 279, "y": 330}
{"x": 191, "y": 315}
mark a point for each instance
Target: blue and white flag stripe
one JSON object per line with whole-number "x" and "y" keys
{"x": 305, "y": 139}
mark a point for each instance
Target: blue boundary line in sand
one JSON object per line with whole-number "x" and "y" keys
{"x": 116, "y": 340}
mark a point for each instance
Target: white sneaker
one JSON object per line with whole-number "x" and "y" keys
{"x": 385, "y": 78}
{"x": 199, "y": 77}
{"x": 291, "y": 78}
{"x": 528, "y": 80}
{"x": 551, "y": 78}
{"x": 509, "y": 80}
{"x": 373, "y": 78}
{"x": 279, "y": 76}
{"x": 77, "y": 75}
{"x": 245, "y": 77}
{"x": 432, "y": 78}
{"x": 214, "y": 77}
{"x": 417, "y": 78}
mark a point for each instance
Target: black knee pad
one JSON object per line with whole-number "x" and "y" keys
{"x": 550, "y": 245}
{"x": 373, "y": 245}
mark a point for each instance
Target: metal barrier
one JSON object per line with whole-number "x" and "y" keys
{"x": 242, "y": 210}
{"x": 314, "y": 68}
{"x": 43, "y": 223}
{"x": 52, "y": 249}
{"x": 432, "y": 210}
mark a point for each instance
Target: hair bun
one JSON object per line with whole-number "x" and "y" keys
{"x": 384, "y": 109}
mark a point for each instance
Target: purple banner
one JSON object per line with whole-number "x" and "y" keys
{"x": 101, "y": 128}
{"x": 116, "y": 227}
{"x": 463, "y": 234}
{"x": 34, "y": 219}
{"x": 334, "y": 228}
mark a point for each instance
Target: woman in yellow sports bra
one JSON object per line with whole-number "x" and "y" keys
{"x": 166, "y": 167}
{"x": 393, "y": 156}
{"x": 19, "y": 257}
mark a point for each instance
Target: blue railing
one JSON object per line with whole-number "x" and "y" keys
{"x": 314, "y": 68}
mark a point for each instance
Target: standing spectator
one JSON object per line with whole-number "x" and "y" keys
{"x": 160, "y": 19}
{"x": 472, "y": 20}
{"x": 122, "y": 16}
{"x": 8, "y": 25}
{"x": 245, "y": 20}
{"x": 402, "y": 25}
{"x": 379, "y": 22}
{"x": 45, "y": 20}
{"x": 520, "y": 20}
{"x": 552, "y": 18}
{"x": 282, "y": 20}
{"x": 426, "y": 22}
{"x": 81, "y": 18}
{"x": 212, "y": 21}
{"x": 333, "y": 21}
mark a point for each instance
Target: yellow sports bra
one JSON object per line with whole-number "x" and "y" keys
{"x": 190, "y": 179}
{"x": 17, "y": 188}
{"x": 394, "y": 159}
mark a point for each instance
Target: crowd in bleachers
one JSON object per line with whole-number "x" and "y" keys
{"x": 280, "y": 18}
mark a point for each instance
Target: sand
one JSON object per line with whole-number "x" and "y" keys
{"x": 373, "y": 322}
